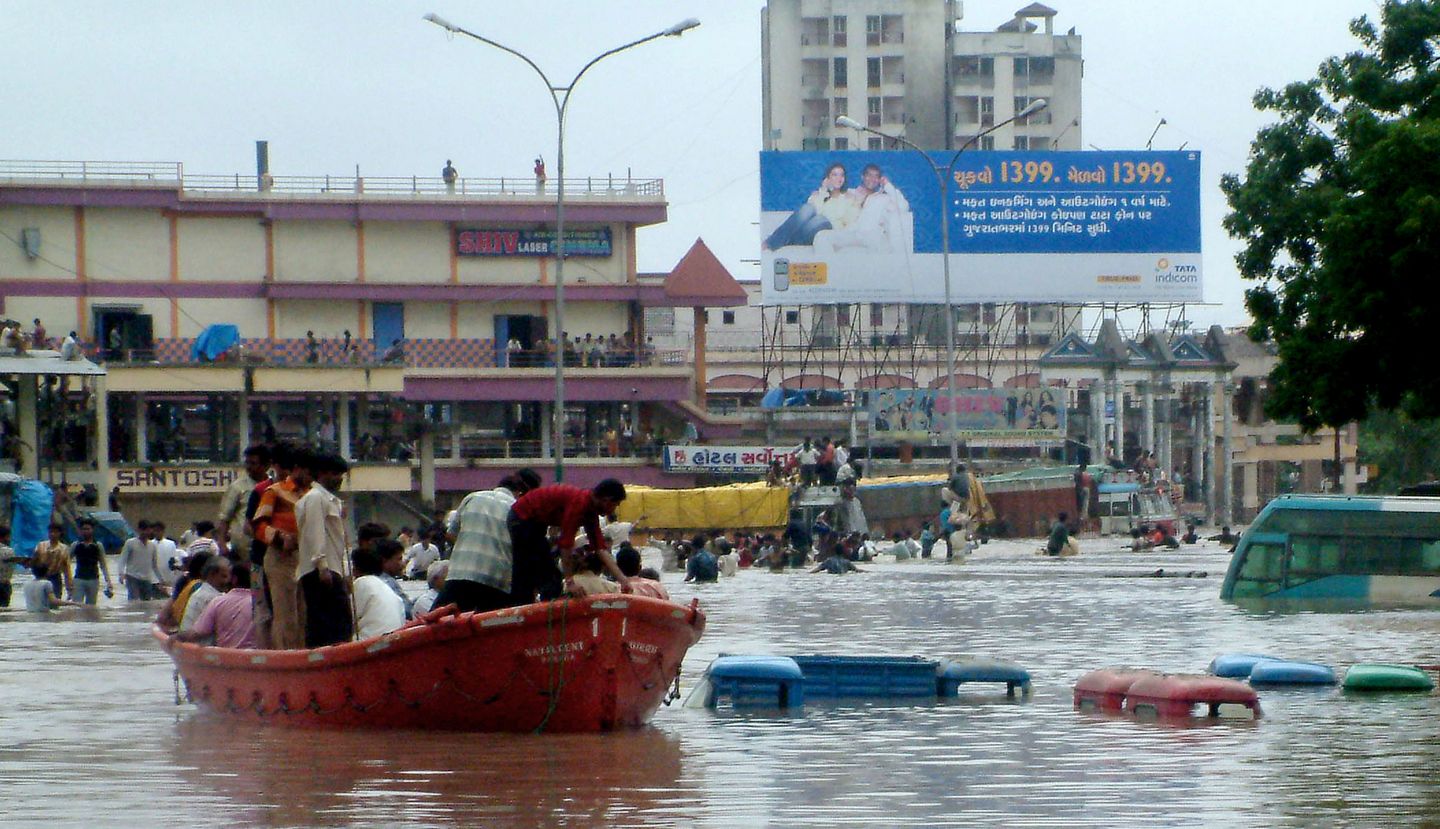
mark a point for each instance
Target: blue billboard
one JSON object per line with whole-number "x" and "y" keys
{"x": 855, "y": 226}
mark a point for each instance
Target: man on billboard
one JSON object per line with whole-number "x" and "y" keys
{"x": 884, "y": 225}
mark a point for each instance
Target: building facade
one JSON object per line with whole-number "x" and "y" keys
{"x": 406, "y": 322}
{"x": 908, "y": 68}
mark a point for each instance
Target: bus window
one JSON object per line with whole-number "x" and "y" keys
{"x": 1261, "y": 571}
{"x": 1430, "y": 556}
{"x": 1313, "y": 557}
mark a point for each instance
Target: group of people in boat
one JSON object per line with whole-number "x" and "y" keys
{"x": 289, "y": 576}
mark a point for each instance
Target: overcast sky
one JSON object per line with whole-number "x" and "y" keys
{"x": 336, "y": 84}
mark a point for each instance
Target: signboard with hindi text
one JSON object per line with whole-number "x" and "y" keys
{"x": 756, "y": 459}
{"x": 865, "y": 226}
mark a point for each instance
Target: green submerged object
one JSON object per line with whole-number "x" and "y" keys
{"x": 1376, "y": 677}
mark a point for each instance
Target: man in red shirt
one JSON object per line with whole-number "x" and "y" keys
{"x": 570, "y": 509}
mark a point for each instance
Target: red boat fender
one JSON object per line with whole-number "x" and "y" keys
{"x": 1176, "y": 695}
{"x": 1105, "y": 689}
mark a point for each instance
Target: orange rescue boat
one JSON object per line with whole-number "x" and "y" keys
{"x": 592, "y": 664}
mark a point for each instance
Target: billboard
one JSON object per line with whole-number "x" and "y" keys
{"x": 1015, "y": 416}
{"x": 1101, "y": 226}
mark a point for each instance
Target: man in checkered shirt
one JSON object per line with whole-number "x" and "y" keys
{"x": 481, "y": 562}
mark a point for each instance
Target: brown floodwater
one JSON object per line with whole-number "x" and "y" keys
{"x": 90, "y": 733}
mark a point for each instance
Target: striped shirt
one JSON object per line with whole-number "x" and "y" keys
{"x": 482, "y": 539}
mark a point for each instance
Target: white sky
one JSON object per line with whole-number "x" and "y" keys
{"x": 336, "y": 84}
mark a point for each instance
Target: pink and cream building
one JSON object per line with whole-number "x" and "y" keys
{"x": 140, "y": 258}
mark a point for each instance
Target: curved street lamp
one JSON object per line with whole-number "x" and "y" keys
{"x": 943, "y": 175}
{"x": 560, "y": 96}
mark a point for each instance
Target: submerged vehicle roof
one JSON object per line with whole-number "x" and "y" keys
{"x": 1358, "y": 503}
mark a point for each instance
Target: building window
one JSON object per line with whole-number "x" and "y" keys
{"x": 837, "y": 25}
{"x": 877, "y": 315}
{"x": 1022, "y": 142}
{"x": 872, "y": 30}
{"x": 841, "y": 144}
{"x": 874, "y": 143}
{"x": 814, "y": 145}
{"x": 872, "y": 111}
{"x": 842, "y": 106}
{"x": 974, "y": 66}
{"x": 1041, "y": 117}
{"x": 792, "y": 317}
{"x": 841, "y": 74}
{"x": 1035, "y": 70}
{"x": 872, "y": 72}
{"x": 987, "y": 142}
{"x": 727, "y": 317}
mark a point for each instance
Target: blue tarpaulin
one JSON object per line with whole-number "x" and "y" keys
{"x": 30, "y": 523}
{"x": 214, "y": 341}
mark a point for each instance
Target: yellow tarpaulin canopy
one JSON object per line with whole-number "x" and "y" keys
{"x": 733, "y": 507}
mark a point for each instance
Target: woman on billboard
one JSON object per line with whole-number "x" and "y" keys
{"x": 830, "y": 207}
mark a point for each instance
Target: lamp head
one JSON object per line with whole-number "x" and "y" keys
{"x": 432, "y": 17}
{"x": 848, "y": 123}
{"x": 1034, "y": 107}
{"x": 681, "y": 28}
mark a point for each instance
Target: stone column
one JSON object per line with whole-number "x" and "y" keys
{"x": 27, "y": 405}
{"x": 700, "y": 357}
{"x": 142, "y": 426}
{"x": 244, "y": 421}
{"x": 1118, "y": 392}
{"x": 546, "y": 421}
{"x": 427, "y": 467}
{"x": 342, "y": 427}
{"x": 1148, "y": 441}
{"x": 1208, "y": 452}
{"x": 1250, "y": 490}
{"x": 1227, "y": 454}
{"x": 102, "y": 433}
{"x": 1097, "y": 422}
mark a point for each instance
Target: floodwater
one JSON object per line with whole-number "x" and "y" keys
{"x": 90, "y": 733}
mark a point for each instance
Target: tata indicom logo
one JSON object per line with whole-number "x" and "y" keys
{"x": 1168, "y": 274}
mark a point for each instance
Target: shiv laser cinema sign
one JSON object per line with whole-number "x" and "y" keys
{"x": 510, "y": 242}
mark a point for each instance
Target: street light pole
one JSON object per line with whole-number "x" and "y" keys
{"x": 943, "y": 175}
{"x": 560, "y": 97}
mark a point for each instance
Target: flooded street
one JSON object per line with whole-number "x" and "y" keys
{"x": 90, "y": 733}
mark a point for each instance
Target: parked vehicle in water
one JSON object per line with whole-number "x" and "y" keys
{"x": 1125, "y": 503}
{"x": 1365, "y": 549}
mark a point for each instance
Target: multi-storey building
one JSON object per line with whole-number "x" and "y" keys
{"x": 907, "y": 68}
{"x": 406, "y": 322}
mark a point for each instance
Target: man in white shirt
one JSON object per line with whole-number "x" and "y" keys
{"x": 880, "y": 227}
{"x": 321, "y": 568}
{"x": 137, "y": 565}
{"x": 215, "y": 579}
{"x": 168, "y": 565}
{"x": 809, "y": 458}
{"x": 377, "y": 609}
{"x": 419, "y": 558}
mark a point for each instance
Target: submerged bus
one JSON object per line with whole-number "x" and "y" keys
{"x": 1383, "y": 550}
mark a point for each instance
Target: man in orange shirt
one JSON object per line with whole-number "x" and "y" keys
{"x": 274, "y": 522}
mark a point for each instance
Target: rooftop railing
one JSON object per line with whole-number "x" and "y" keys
{"x": 171, "y": 174}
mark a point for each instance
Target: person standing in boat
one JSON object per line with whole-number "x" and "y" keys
{"x": 322, "y": 545}
{"x": 481, "y": 559}
{"x": 275, "y": 526}
{"x": 569, "y": 508}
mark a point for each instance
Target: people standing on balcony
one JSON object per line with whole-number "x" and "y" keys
{"x": 539, "y": 176}
{"x": 450, "y": 175}
{"x": 312, "y": 348}
{"x": 395, "y": 353}
{"x": 39, "y": 338}
{"x": 347, "y": 348}
{"x": 115, "y": 342}
{"x": 70, "y": 347}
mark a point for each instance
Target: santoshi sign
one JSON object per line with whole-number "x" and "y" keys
{"x": 170, "y": 479}
{"x": 726, "y": 458}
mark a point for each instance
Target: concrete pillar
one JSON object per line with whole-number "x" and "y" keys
{"x": 427, "y": 468}
{"x": 244, "y": 421}
{"x": 1118, "y": 392}
{"x": 1147, "y": 440}
{"x": 142, "y": 427}
{"x": 1227, "y": 454}
{"x": 1097, "y": 422}
{"x": 547, "y": 420}
{"x": 1250, "y": 490}
{"x": 1207, "y": 428}
{"x": 27, "y": 405}
{"x": 342, "y": 428}
{"x": 700, "y": 357}
{"x": 102, "y": 432}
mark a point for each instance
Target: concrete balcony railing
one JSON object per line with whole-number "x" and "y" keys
{"x": 415, "y": 353}
{"x": 172, "y": 175}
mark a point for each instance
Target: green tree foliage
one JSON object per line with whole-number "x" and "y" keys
{"x": 1406, "y": 451}
{"x": 1339, "y": 209}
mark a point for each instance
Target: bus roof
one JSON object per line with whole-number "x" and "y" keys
{"x": 1356, "y": 503}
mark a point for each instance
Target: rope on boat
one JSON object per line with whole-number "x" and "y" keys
{"x": 557, "y": 668}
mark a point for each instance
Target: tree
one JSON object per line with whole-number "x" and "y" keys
{"x": 1339, "y": 210}
{"x": 1406, "y": 451}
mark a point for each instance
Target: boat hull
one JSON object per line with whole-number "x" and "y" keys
{"x": 593, "y": 664}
